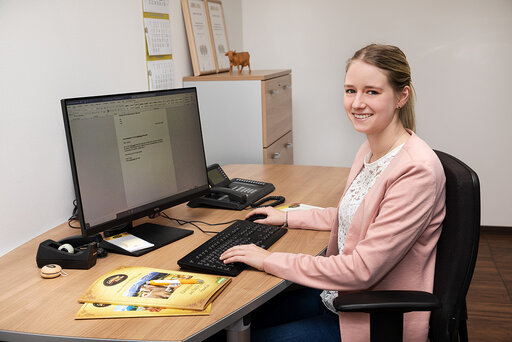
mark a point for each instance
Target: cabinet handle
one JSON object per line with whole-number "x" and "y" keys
{"x": 288, "y": 145}
{"x": 287, "y": 86}
{"x": 274, "y": 91}
{"x": 276, "y": 155}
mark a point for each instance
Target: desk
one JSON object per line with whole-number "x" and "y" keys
{"x": 37, "y": 309}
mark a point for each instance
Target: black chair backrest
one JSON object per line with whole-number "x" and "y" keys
{"x": 457, "y": 248}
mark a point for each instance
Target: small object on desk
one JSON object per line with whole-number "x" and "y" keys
{"x": 191, "y": 281}
{"x": 52, "y": 271}
{"x": 238, "y": 59}
{"x": 166, "y": 282}
{"x": 128, "y": 242}
{"x": 163, "y": 282}
{"x": 102, "y": 252}
{"x": 67, "y": 248}
{"x": 255, "y": 217}
{"x": 83, "y": 258}
{"x": 298, "y": 206}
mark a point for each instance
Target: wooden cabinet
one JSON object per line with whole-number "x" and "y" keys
{"x": 246, "y": 118}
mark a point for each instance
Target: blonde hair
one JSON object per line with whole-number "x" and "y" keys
{"x": 393, "y": 61}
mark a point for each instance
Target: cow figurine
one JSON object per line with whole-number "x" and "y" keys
{"x": 240, "y": 59}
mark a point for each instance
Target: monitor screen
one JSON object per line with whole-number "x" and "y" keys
{"x": 133, "y": 155}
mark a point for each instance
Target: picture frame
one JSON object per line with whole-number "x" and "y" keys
{"x": 218, "y": 33}
{"x": 200, "y": 42}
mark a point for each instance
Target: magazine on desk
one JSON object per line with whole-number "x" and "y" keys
{"x": 94, "y": 311}
{"x": 157, "y": 288}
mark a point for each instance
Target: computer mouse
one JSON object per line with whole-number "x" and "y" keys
{"x": 256, "y": 217}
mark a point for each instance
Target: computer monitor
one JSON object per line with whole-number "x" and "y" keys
{"x": 134, "y": 155}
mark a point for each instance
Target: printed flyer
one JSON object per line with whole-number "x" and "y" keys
{"x": 92, "y": 311}
{"x": 149, "y": 287}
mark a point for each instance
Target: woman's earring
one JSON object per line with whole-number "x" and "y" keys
{"x": 398, "y": 107}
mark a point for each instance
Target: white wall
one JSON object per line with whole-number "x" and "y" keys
{"x": 54, "y": 49}
{"x": 233, "y": 18}
{"x": 460, "y": 52}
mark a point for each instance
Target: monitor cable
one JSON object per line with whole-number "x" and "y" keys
{"x": 193, "y": 223}
{"x": 74, "y": 216}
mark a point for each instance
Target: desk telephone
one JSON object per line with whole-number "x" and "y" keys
{"x": 234, "y": 193}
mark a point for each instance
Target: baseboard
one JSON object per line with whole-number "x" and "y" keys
{"x": 496, "y": 229}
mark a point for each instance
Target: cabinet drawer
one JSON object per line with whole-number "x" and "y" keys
{"x": 280, "y": 152}
{"x": 277, "y": 108}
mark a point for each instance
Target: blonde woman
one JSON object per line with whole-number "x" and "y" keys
{"x": 385, "y": 229}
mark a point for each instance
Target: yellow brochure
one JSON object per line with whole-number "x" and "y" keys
{"x": 145, "y": 286}
{"x": 92, "y": 311}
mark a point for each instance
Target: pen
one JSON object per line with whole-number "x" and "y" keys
{"x": 191, "y": 281}
{"x": 174, "y": 282}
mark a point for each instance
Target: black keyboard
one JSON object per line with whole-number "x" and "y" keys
{"x": 205, "y": 258}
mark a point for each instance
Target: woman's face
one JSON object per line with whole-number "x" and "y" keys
{"x": 370, "y": 101}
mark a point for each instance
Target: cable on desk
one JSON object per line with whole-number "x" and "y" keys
{"x": 74, "y": 217}
{"x": 183, "y": 222}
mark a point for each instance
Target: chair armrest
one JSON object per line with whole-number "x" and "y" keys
{"x": 386, "y": 301}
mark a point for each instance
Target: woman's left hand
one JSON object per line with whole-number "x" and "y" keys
{"x": 251, "y": 255}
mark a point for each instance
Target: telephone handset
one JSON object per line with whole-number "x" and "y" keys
{"x": 233, "y": 193}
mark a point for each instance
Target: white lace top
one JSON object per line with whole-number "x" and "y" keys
{"x": 351, "y": 201}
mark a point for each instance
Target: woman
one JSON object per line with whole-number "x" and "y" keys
{"x": 385, "y": 229}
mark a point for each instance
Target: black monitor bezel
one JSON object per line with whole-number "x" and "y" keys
{"x": 152, "y": 208}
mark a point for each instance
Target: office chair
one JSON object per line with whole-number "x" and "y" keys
{"x": 455, "y": 262}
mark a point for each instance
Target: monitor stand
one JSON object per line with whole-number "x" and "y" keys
{"x": 158, "y": 235}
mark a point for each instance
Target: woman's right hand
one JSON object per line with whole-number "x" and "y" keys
{"x": 274, "y": 217}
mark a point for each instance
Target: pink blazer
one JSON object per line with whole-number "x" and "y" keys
{"x": 390, "y": 243}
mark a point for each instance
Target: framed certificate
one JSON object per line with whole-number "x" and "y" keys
{"x": 219, "y": 33}
{"x": 199, "y": 38}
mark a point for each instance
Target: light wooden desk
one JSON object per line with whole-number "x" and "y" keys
{"x": 37, "y": 309}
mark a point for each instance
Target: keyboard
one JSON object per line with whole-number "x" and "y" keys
{"x": 205, "y": 258}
